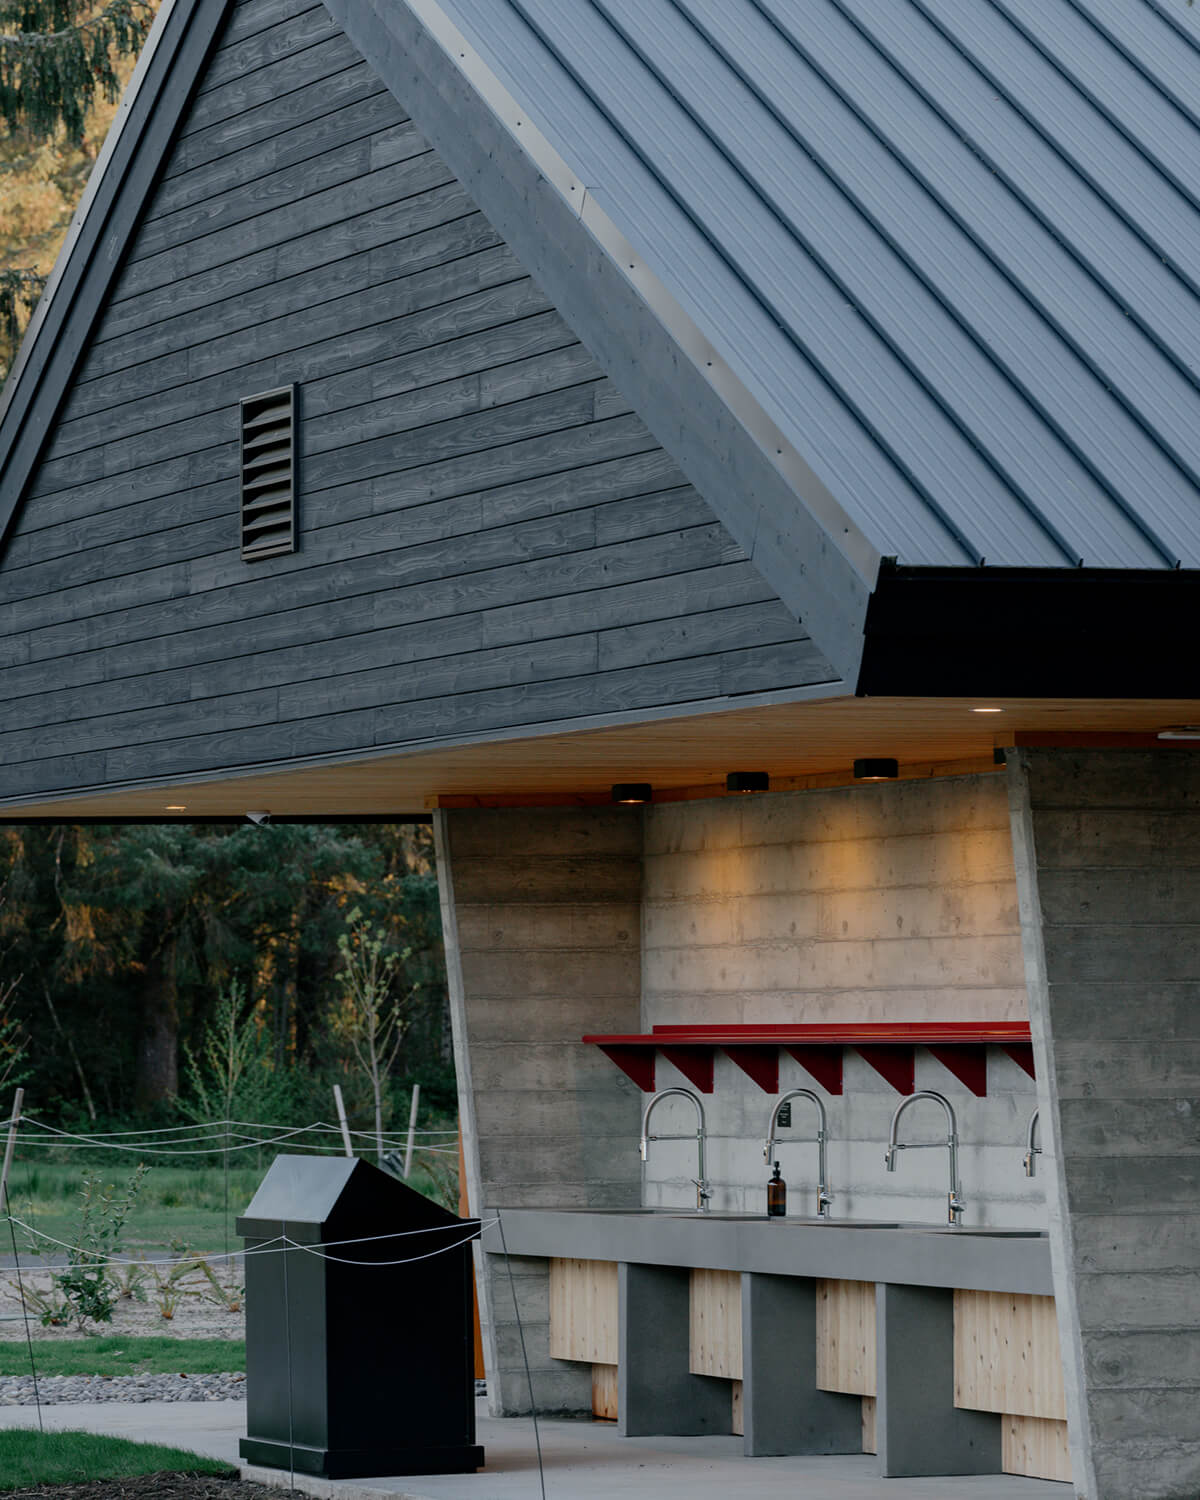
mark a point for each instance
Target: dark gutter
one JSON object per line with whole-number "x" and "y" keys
{"x": 1032, "y": 633}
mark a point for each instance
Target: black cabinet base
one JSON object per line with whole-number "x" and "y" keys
{"x": 360, "y": 1463}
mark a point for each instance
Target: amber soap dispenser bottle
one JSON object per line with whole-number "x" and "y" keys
{"x": 776, "y": 1196}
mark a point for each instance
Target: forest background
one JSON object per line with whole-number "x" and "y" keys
{"x": 160, "y": 980}
{"x": 119, "y": 945}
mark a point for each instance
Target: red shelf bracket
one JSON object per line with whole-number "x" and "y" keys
{"x": 635, "y": 1062}
{"x": 1022, "y": 1054}
{"x": 824, "y": 1063}
{"x": 760, "y": 1063}
{"x": 695, "y": 1063}
{"x": 967, "y": 1063}
{"x": 893, "y": 1062}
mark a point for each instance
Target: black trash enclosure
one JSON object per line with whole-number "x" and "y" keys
{"x": 359, "y": 1356}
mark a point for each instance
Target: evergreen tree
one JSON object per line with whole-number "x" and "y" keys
{"x": 57, "y": 58}
{"x": 118, "y": 944}
{"x": 56, "y": 54}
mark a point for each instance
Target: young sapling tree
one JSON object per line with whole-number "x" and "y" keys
{"x": 368, "y": 1015}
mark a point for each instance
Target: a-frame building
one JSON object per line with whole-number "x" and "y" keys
{"x": 468, "y": 405}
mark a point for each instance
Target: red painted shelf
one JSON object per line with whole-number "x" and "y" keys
{"x": 889, "y": 1047}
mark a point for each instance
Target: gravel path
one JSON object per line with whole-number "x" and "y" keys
{"x": 55, "y": 1390}
{"x": 196, "y": 1317}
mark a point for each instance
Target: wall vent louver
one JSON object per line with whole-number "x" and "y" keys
{"x": 269, "y": 473}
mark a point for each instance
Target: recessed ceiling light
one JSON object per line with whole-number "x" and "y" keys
{"x": 632, "y": 793}
{"x": 987, "y": 710}
{"x": 748, "y": 781}
{"x": 177, "y": 808}
{"x": 876, "y": 768}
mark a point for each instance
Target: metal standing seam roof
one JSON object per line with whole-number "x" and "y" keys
{"x": 953, "y": 250}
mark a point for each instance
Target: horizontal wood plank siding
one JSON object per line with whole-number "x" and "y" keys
{"x": 489, "y": 538}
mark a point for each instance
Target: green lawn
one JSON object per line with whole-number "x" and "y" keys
{"x": 29, "y": 1458}
{"x": 120, "y": 1356}
{"x": 176, "y": 1205}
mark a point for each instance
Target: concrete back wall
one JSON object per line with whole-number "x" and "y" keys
{"x": 894, "y": 901}
{"x": 540, "y": 910}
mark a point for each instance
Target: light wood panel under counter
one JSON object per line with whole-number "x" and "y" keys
{"x": 583, "y": 1310}
{"x": 846, "y": 1337}
{"x": 715, "y": 1346}
{"x": 1006, "y": 1355}
{"x": 1007, "y": 1360}
{"x": 584, "y": 1325}
{"x": 604, "y": 1392}
{"x": 1036, "y": 1447}
{"x": 846, "y": 1346}
{"x": 715, "y": 1332}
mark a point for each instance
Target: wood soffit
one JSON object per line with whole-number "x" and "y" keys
{"x": 802, "y": 745}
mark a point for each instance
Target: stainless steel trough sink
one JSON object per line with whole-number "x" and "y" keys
{"x": 991, "y": 1234}
{"x": 794, "y": 1219}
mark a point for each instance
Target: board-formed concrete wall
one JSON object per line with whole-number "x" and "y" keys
{"x": 540, "y": 910}
{"x": 878, "y": 902}
{"x": 1108, "y": 858}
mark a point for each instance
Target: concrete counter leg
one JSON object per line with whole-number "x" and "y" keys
{"x": 918, "y": 1428}
{"x": 783, "y": 1410}
{"x": 657, "y": 1394}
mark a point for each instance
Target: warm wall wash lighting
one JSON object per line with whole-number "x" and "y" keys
{"x": 630, "y": 792}
{"x": 748, "y": 781}
{"x": 876, "y": 768}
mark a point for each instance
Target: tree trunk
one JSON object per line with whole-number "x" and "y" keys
{"x": 158, "y": 1046}
{"x": 70, "y": 1045}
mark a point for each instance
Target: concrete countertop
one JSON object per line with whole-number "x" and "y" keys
{"x": 912, "y": 1254}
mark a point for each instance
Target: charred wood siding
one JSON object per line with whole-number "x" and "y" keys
{"x": 489, "y": 537}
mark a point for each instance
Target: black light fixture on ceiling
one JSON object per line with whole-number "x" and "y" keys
{"x": 632, "y": 792}
{"x": 748, "y": 781}
{"x": 876, "y": 768}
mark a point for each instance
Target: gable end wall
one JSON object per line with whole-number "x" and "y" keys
{"x": 490, "y": 537}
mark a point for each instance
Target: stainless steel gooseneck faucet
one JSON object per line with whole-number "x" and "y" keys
{"x": 954, "y": 1200}
{"x": 824, "y": 1196}
{"x": 703, "y": 1191}
{"x": 1032, "y": 1152}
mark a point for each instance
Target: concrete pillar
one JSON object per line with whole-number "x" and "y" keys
{"x": 656, "y": 1391}
{"x": 541, "y": 920}
{"x": 918, "y": 1428}
{"x": 1107, "y": 847}
{"x": 783, "y": 1410}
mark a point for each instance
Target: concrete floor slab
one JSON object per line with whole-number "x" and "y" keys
{"x": 581, "y": 1460}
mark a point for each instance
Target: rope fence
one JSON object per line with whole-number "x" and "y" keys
{"x": 227, "y": 1138}
{"x": 224, "y": 1138}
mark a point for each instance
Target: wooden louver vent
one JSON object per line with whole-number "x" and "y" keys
{"x": 269, "y": 473}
